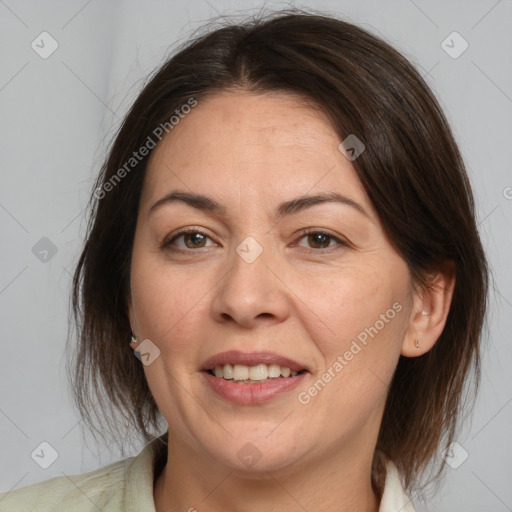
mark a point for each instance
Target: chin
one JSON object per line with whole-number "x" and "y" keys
{"x": 253, "y": 456}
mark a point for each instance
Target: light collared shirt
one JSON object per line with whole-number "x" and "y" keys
{"x": 128, "y": 485}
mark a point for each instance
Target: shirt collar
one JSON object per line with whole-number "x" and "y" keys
{"x": 394, "y": 498}
{"x": 140, "y": 475}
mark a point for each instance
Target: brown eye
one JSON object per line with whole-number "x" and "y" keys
{"x": 318, "y": 240}
{"x": 192, "y": 239}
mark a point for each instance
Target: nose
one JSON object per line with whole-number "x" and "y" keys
{"x": 251, "y": 292}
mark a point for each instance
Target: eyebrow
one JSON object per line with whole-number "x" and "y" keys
{"x": 299, "y": 204}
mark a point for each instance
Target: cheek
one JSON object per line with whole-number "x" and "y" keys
{"x": 167, "y": 302}
{"x": 359, "y": 344}
{"x": 355, "y": 303}
{"x": 357, "y": 323}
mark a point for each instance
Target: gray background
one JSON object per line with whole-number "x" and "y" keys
{"x": 58, "y": 113}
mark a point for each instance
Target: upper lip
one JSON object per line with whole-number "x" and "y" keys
{"x": 251, "y": 359}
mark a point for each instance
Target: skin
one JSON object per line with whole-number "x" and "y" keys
{"x": 304, "y": 298}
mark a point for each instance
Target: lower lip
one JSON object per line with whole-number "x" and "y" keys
{"x": 248, "y": 394}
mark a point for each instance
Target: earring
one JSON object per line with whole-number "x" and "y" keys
{"x": 424, "y": 313}
{"x": 417, "y": 344}
{"x": 133, "y": 339}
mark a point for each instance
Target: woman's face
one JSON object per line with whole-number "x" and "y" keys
{"x": 264, "y": 276}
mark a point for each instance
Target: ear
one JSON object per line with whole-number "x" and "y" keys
{"x": 431, "y": 305}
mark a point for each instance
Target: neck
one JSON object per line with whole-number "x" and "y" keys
{"x": 336, "y": 481}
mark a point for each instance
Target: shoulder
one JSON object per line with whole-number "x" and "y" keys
{"x": 75, "y": 492}
{"x": 115, "y": 487}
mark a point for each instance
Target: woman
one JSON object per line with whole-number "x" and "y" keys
{"x": 284, "y": 235}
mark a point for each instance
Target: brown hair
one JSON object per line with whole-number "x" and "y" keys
{"x": 411, "y": 170}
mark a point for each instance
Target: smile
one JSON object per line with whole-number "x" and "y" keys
{"x": 262, "y": 372}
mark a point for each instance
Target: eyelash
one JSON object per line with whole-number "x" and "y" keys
{"x": 168, "y": 241}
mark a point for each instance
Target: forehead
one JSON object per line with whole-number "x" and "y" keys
{"x": 242, "y": 145}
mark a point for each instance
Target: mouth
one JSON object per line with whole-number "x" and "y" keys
{"x": 243, "y": 374}
{"x": 251, "y": 367}
{"x": 250, "y": 378}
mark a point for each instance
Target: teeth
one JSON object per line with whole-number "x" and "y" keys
{"x": 241, "y": 372}
{"x": 227, "y": 372}
{"x": 274, "y": 370}
{"x": 285, "y": 372}
{"x": 259, "y": 372}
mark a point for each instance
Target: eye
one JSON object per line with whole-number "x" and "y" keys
{"x": 192, "y": 238}
{"x": 319, "y": 239}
